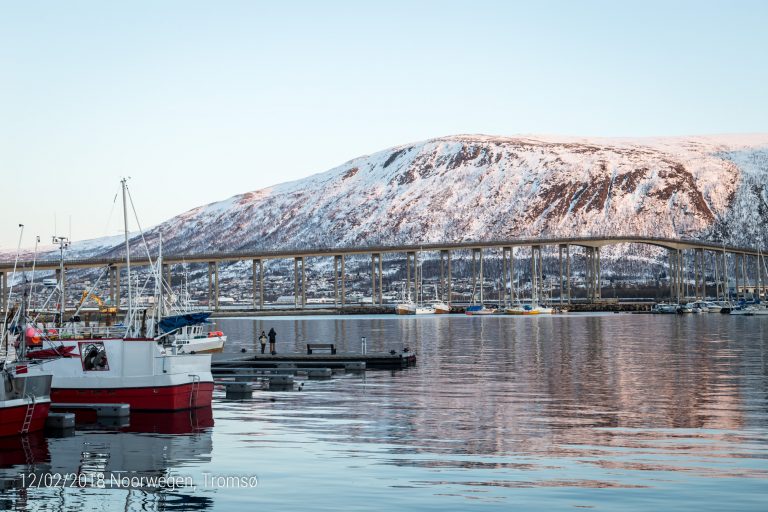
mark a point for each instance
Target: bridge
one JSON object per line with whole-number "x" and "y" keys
{"x": 743, "y": 262}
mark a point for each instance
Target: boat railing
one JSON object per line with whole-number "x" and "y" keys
{"x": 83, "y": 332}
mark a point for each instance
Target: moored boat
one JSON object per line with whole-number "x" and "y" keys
{"x": 125, "y": 364}
{"x": 24, "y": 399}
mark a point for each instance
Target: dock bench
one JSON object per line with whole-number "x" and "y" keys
{"x": 321, "y": 346}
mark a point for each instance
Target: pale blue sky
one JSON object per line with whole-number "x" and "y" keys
{"x": 197, "y": 101}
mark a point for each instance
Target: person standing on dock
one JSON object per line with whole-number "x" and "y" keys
{"x": 263, "y": 341}
{"x": 272, "y": 338}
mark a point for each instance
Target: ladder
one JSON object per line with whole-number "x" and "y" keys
{"x": 28, "y": 417}
{"x": 194, "y": 391}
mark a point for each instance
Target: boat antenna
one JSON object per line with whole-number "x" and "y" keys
{"x": 129, "y": 313}
{"x": 4, "y": 331}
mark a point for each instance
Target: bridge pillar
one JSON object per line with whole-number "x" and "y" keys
{"x": 477, "y": 261}
{"x": 560, "y": 274}
{"x": 376, "y": 280}
{"x": 117, "y": 287}
{"x": 167, "y": 268}
{"x": 445, "y": 276}
{"x": 111, "y": 284}
{"x": 537, "y": 273}
{"x": 213, "y": 284}
{"x": 411, "y": 277}
{"x": 759, "y": 276}
{"x": 441, "y": 295}
{"x": 299, "y": 282}
{"x": 339, "y": 282}
{"x": 568, "y": 270}
{"x": 715, "y": 274}
{"x": 702, "y": 274}
{"x": 507, "y": 273}
{"x": 257, "y": 283}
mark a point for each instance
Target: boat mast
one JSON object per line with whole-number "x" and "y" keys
{"x": 129, "y": 313}
{"x": 63, "y": 244}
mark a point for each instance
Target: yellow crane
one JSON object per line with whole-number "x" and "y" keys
{"x": 103, "y": 307}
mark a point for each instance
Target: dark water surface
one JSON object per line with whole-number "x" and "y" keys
{"x": 608, "y": 412}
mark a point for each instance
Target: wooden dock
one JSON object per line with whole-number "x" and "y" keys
{"x": 378, "y": 361}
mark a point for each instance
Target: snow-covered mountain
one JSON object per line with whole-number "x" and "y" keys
{"x": 476, "y": 187}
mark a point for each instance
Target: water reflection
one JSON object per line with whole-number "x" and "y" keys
{"x": 621, "y": 398}
{"x": 141, "y": 466}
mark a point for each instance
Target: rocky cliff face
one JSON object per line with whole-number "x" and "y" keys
{"x": 474, "y": 187}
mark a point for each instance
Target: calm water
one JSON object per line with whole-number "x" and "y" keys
{"x": 611, "y": 412}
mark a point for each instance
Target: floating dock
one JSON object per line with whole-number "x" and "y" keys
{"x": 378, "y": 361}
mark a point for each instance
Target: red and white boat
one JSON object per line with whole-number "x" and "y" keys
{"x": 125, "y": 364}
{"x": 24, "y": 396}
{"x": 24, "y": 400}
{"x": 102, "y": 367}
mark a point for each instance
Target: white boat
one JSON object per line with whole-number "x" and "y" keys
{"x": 440, "y": 307}
{"x": 127, "y": 363}
{"x": 406, "y": 308}
{"x": 664, "y": 308}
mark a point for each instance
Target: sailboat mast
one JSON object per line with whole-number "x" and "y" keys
{"x": 129, "y": 313}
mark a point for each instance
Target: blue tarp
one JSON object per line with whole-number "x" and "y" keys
{"x": 169, "y": 323}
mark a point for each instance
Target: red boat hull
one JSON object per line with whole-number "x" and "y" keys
{"x": 12, "y": 418}
{"x": 167, "y": 398}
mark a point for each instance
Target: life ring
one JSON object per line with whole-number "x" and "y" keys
{"x": 215, "y": 334}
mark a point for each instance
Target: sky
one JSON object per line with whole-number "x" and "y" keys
{"x": 199, "y": 101}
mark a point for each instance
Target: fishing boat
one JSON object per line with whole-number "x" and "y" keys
{"x": 24, "y": 396}
{"x": 24, "y": 399}
{"x": 128, "y": 363}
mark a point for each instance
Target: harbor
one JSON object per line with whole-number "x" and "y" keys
{"x": 523, "y": 401}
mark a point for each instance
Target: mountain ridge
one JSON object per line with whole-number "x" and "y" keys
{"x": 480, "y": 187}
